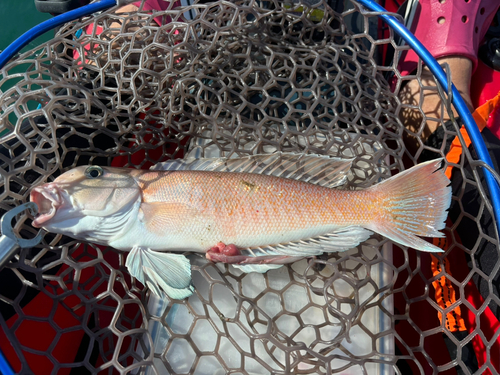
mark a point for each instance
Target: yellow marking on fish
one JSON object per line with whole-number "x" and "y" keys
{"x": 248, "y": 186}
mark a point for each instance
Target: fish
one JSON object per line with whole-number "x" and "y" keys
{"x": 256, "y": 212}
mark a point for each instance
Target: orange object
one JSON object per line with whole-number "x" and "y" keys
{"x": 445, "y": 293}
{"x": 481, "y": 116}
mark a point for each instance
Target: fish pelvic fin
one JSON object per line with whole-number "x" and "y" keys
{"x": 170, "y": 273}
{"x": 415, "y": 203}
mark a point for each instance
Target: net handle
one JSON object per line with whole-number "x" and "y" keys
{"x": 458, "y": 102}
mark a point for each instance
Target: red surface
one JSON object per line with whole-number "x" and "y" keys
{"x": 39, "y": 334}
{"x": 485, "y": 85}
{"x": 424, "y": 315}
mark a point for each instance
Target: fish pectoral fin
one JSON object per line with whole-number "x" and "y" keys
{"x": 170, "y": 217}
{"x": 161, "y": 271}
{"x": 157, "y": 284}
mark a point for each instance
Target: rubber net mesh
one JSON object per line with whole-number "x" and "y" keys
{"x": 235, "y": 79}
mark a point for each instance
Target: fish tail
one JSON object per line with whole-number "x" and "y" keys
{"x": 415, "y": 203}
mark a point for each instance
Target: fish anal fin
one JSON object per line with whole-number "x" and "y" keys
{"x": 259, "y": 268}
{"x": 339, "y": 240}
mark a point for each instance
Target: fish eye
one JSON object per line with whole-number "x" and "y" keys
{"x": 93, "y": 171}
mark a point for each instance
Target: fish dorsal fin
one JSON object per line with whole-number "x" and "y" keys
{"x": 317, "y": 169}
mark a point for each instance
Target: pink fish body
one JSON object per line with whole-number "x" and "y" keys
{"x": 270, "y": 209}
{"x": 193, "y": 210}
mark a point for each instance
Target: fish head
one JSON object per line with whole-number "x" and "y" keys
{"x": 83, "y": 198}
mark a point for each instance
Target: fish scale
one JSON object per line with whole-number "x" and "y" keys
{"x": 247, "y": 207}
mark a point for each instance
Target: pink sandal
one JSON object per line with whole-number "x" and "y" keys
{"x": 449, "y": 28}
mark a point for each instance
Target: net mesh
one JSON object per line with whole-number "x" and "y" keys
{"x": 234, "y": 79}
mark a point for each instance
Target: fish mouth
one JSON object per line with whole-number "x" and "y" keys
{"x": 48, "y": 198}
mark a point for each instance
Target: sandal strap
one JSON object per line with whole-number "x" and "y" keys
{"x": 449, "y": 28}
